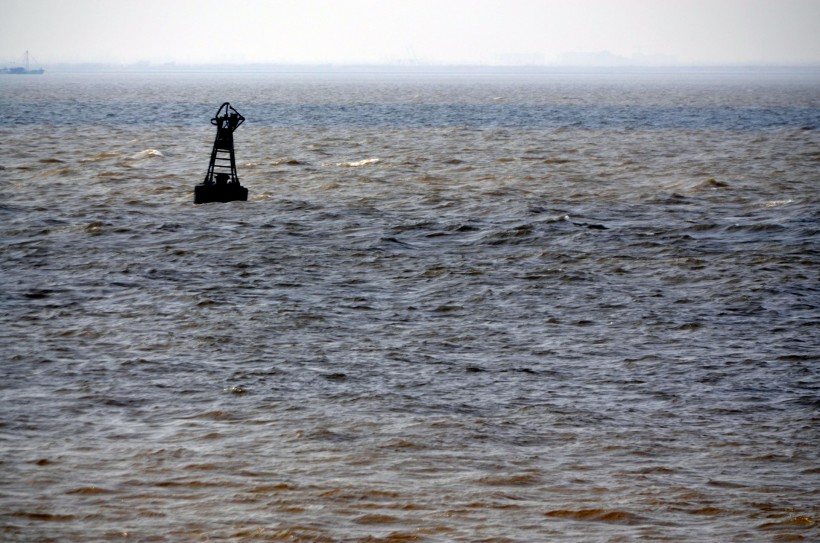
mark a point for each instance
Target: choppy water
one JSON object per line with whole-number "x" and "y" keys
{"x": 455, "y": 308}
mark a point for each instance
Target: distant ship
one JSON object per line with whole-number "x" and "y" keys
{"x": 22, "y": 70}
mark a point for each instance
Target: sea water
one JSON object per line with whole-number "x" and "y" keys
{"x": 458, "y": 306}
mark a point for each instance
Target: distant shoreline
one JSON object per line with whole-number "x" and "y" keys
{"x": 430, "y": 69}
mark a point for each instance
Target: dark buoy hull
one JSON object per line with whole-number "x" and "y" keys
{"x": 205, "y": 193}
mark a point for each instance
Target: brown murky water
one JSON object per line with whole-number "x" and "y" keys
{"x": 455, "y": 308}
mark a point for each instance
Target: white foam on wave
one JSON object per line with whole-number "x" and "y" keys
{"x": 147, "y": 153}
{"x": 777, "y": 203}
{"x": 355, "y": 164}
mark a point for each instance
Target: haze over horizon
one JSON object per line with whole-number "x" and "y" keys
{"x": 491, "y": 32}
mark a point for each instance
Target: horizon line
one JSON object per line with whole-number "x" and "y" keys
{"x": 171, "y": 65}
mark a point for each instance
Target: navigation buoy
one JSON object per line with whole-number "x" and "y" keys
{"x": 221, "y": 182}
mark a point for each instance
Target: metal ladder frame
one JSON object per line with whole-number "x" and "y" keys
{"x": 222, "y": 167}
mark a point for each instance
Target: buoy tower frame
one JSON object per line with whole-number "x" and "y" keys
{"x": 221, "y": 182}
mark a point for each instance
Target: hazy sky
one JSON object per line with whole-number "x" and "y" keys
{"x": 434, "y": 31}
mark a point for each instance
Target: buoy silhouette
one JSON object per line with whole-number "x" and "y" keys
{"x": 221, "y": 182}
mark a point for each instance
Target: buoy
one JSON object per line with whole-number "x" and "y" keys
{"x": 221, "y": 182}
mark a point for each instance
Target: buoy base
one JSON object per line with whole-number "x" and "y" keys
{"x": 205, "y": 193}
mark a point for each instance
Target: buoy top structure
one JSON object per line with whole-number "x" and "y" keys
{"x": 221, "y": 182}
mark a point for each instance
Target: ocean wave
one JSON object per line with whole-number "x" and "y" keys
{"x": 147, "y": 154}
{"x": 355, "y": 163}
{"x": 100, "y": 157}
{"x": 543, "y": 334}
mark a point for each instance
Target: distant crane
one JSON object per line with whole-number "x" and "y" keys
{"x": 22, "y": 70}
